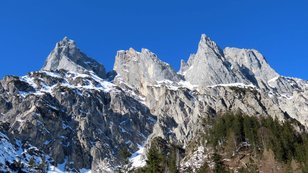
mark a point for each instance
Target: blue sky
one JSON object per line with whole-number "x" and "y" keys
{"x": 171, "y": 29}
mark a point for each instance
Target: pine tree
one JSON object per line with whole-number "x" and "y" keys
{"x": 171, "y": 161}
{"x": 154, "y": 161}
{"x": 219, "y": 165}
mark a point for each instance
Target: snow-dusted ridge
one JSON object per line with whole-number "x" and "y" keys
{"x": 93, "y": 82}
{"x": 175, "y": 85}
{"x": 239, "y": 85}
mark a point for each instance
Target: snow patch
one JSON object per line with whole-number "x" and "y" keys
{"x": 187, "y": 84}
{"x": 240, "y": 85}
{"x": 55, "y": 75}
{"x": 175, "y": 86}
{"x": 272, "y": 80}
{"x": 196, "y": 160}
{"x": 138, "y": 158}
{"x": 7, "y": 152}
{"x": 60, "y": 168}
{"x": 287, "y": 96}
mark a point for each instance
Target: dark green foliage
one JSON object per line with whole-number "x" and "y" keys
{"x": 248, "y": 170}
{"x": 124, "y": 154}
{"x": 219, "y": 165}
{"x": 171, "y": 161}
{"x": 154, "y": 161}
{"x": 261, "y": 133}
{"x": 204, "y": 168}
{"x": 139, "y": 170}
{"x": 162, "y": 157}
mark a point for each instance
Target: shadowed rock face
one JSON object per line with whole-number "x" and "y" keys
{"x": 68, "y": 57}
{"x": 72, "y": 114}
{"x": 73, "y": 122}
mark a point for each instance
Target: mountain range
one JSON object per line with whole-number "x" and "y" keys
{"x": 74, "y": 116}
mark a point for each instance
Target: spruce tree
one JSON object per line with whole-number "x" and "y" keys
{"x": 154, "y": 161}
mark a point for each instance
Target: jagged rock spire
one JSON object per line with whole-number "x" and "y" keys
{"x": 208, "y": 65}
{"x": 207, "y": 46}
{"x": 66, "y": 55}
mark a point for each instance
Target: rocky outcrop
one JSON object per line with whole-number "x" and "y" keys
{"x": 180, "y": 111}
{"x": 67, "y": 56}
{"x": 209, "y": 66}
{"x": 75, "y": 118}
{"x": 250, "y": 64}
{"x": 140, "y": 69}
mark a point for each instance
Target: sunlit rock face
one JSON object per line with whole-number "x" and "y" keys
{"x": 81, "y": 119}
{"x": 68, "y": 57}
{"x": 139, "y": 69}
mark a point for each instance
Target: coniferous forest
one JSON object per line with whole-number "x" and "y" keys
{"x": 234, "y": 135}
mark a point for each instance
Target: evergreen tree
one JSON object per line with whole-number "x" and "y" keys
{"x": 219, "y": 165}
{"x": 171, "y": 161}
{"x": 154, "y": 161}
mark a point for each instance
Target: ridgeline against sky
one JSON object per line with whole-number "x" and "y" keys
{"x": 170, "y": 29}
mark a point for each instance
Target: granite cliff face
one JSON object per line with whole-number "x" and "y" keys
{"x": 78, "y": 120}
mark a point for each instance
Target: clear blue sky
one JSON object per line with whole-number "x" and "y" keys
{"x": 171, "y": 29}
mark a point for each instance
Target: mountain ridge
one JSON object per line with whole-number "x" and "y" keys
{"x": 70, "y": 105}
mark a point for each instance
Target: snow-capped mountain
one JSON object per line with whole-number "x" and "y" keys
{"x": 80, "y": 120}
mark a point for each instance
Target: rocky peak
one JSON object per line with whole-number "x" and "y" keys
{"x": 66, "y": 55}
{"x": 207, "y": 46}
{"x": 211, "y": 66}
{"x": 66, "y": 42}
{"x": 139, "y": 69}
{"x": 252, "y": 64}
{"x": 183, "y": 66}
{"x": 208, "y": 66}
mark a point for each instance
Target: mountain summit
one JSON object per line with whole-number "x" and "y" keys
{"x": 208, "y": 66}
{"x": 139, "y": 69}
{"x": 66, "y": 55}
{"x": 211, "y": 66}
